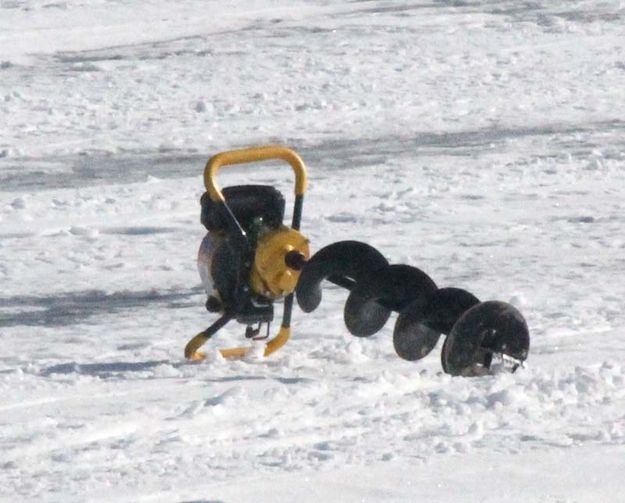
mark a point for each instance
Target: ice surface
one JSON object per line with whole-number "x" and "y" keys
{"x": 480, "y": 141}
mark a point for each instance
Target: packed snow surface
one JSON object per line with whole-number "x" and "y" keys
{"x": 483, "y": 142}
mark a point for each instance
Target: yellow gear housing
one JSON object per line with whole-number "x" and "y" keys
{"x": 271, "y": 277}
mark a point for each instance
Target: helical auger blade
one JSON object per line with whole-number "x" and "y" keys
{"x": 421, "y": 323}
{"x": 475, "y": 331}
{"x": 377, "y": 294}
{"x": 343, "y": 262}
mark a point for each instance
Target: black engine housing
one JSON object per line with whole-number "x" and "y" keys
{"x": 247, "y": 203}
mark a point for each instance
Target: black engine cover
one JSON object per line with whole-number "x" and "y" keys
{"x": 247, "y": 202}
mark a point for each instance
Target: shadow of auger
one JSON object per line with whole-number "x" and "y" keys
{"x": 71, "y": 308}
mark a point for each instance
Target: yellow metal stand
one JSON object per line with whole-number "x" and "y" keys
{"x": 191, "y": 350}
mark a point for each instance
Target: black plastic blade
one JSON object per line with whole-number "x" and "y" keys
{"x": 387, "y": 289}
{"x": 485, "y": 329}
{"x": 421, "y": 322}
{"x": 345, "y": 259}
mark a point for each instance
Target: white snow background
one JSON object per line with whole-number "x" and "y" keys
{"x": 482, "y": 141}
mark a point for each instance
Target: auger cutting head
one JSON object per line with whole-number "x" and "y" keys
{"x": 484, "y": 333}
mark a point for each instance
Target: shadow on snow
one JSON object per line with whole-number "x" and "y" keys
{"x": 76, "y": 307}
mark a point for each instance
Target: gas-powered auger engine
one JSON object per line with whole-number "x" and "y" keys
{"x": 250, "y": 258}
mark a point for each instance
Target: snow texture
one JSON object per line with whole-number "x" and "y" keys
{"x": 480, "y": 141}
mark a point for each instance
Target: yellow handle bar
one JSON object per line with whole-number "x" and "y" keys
{"x": 248, "y": 155}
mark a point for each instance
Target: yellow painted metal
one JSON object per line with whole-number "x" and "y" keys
{"x": 248, "y": 155}
{"x": 235, "y": 352}
{"x": 191, "y": 350}
{"x": 270, "y": 276}
{"x": 278, "y": 341}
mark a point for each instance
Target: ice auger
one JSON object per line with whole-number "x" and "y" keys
{"x": 249, "y": 259}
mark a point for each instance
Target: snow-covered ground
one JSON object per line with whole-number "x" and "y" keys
{"x": 481, "y": 141}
